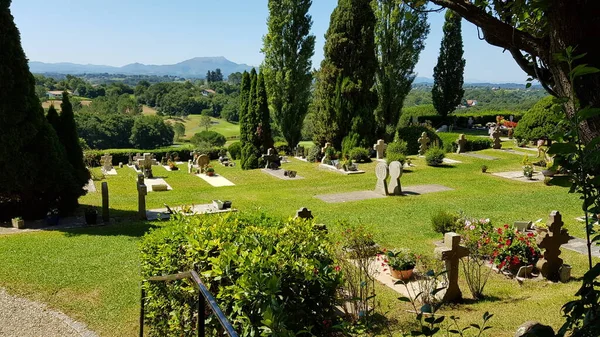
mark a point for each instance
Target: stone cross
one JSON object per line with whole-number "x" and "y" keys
{"x": 137, "y": 157}
{"x": 106, "y": 162}
{"x": 327, "y": 146}
{"x": 142, "y": 190}
{"x": 130, "y": 160}
{"x": 462, "y": 144}
{"x": 202, "y": 161}
{"x": 470, "y": 122}
{"x": 303, "y": 213}
{"x": 451, "y": 253}
{"x": 496, "y": 136}
{"x": 424, "y": 143}
{"x": 381, "y": 171}
{"x": 105, "y": 214}
{"x": 380, "y": 148}
{"x": 146, "y": 165}
{"x": 394, "y": 188}
{"x": 550, "y": 263}
{"x": 190, "y": 166}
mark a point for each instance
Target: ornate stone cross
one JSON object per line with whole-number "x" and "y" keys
{"x": 424, "y": 143}
{"x": 462, "y": 143}
{"x": 550, "y": 263}
{"x": 146, "y": 165}
{"x": 451, "y": 253}
{"x": 380, "y": 148}
{"x": 394, "y": 187}
{"x": 303, "y": 213}
{"x": 381, "y": 171}
{"x": 106, "y": 162}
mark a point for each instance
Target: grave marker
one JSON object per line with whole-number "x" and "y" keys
{"x": 272, "y": 159}
{"x": 326, "y": 147}
{"x": 451, "y": 253}
{"x": 549, "y": 265}
{"x": 380, "y": 148}
{"x": 142, "y": 192}
{"x": 303, "y": 213}
{"x": 496, "y": 137}
{"x": 424, "y": 143}
{"x": 105, "y": 210}
{"x": 381, "y": 171}
{"x": 146, "y": 165}
{"x": 394, "y": 188}
{"x": 106, "y": 162}
{"x": 202, "y": 161}
{"x": 462, "y": 144}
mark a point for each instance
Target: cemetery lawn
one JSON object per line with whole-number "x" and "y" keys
{"x": 92, "y": 274}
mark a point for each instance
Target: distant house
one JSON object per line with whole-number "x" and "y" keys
{"x": 207, "y": 92}
{"x": 471, "y": 102}
{"x": 56, "y": 94}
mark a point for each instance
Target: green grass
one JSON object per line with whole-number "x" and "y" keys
{"x": 192, "y": 126}
{"x": 93, "y": 274}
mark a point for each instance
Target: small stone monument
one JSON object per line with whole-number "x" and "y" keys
{"x": 142, "y": 190}
{"x": 381, "y": 171}
{"x": 462, "y": 143}
{"x": 380, "y": 148}
{"x": 105, "y": 214}
{"x": 106, "y": 162}
{"x": 549, "y": 265}
{"x": 394, "y": 187}
{"x": 424, "y": 143}
{"x": 303, "y": 213}
{"x": 190, "y": 166}
{"x": 146, "y": 165}
{"x": 470, "y": 122}
{"x": 272, "y": 160}
{"x": 496, "y": 137}
{"x": 202, "y": 161}
{"x": 327, "y": 146}
{"x": 451, "y": 253}
{"x": 130, "y": 159}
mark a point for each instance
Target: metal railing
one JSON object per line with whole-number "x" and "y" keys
{"x": 204, "y": 297}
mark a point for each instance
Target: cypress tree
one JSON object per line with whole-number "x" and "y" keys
{"x": 250, "y": 141}
{"x": 448, "y": 74}
{"x": 53, "y": 119}
{"x": 67, "y": 134}
{"x": 36, "y": 174}
{"x": 350, "y": 59}
{"x": 265, "y": 133}
{"x": 244, "y": 96}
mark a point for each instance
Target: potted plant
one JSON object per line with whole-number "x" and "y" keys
{"x": 402, "y": 263}
{"x": 18, "y": 222}
{"x": 210, "y": 171}
{"x": 172, "y": 166}
{"x": 91, "y": 215}
{"x": 346, "y": 164}
{"x": 528, "y": 171}
{"x": 52, "y": 217}
{"x": 540, "y": 227}
{"x": 484, "y": 168}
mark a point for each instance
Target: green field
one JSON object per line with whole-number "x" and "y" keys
{"x": 92, "y": 274}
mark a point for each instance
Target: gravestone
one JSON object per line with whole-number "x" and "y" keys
{"x": 272, "y": 160}
{"x": 394, "y": 188}
{"x": 138, "y": 157}
{"x": 380, "y": 148}
{"x": 105, "y": 214}
{"x": 130, "y": 159}
{"x": 289, "y": 173}
{"x": 146, "y": 165}
{"x": 327, "y": 146}
{"x": 300, "y": 151}
{"x": 424, "y": 143}
{"x": 549, "y": 265}
{"x": 303, "y": 213}
{"x": 142, "y": 190}
{"x": 451, "y": 253}
{"x": 381, "y": 171}
{"x": 120, "y": 164}
{"x": 462, "y": 144}
{"x": 470, "y": 122}
{"x": 106, "y": 162}
{"x": 496, "y": 137}
{"x": 190, "y": 166}
{"x": 202, "y": 161}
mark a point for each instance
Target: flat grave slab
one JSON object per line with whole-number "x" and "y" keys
{"x": 424, "y": 189}
{"x": 334, "y": 169}
{"x": 479, "y": 156}
{"x": 520, "y": 153}
{"x": 408, "y": 289}
{"x": 133, "y": 168}
{"x": 216, "y": 180}
{"x": 162, "y": 213}
{"x": 580, "y": 246}
{"x": 156, "y": 181}
{"x": 112, "y": 172}
{"x": 518, "y": 176}
{"x": 90, "y": 187}
{"x": 451, "y": 161}
{"x": 366, "y": 195}
{"x": 168, "y": 168}
{"x": 280, "y": 174}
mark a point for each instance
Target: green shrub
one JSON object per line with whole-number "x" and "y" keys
{"x": 265, "y": 274}
{"x": 349, "y": 143}
{"x": 444, "y": 222}
{"x": 314, "y": 154}
{"x": 473, "y": 143}
{"x": 411, "y": 135}
{"x": 540, "y": 121}
{"x": 358, "y": 154}
{"x": 250, "y": 157}
{"x": 211, "y": 137}
{"x": 426, "y": 112}
{"x": 435, "y": 156}
{"x": 396, "y": 151}
{"x": 235, "y": 150}
{"x": 92, "y": 157}
{"x": 282, "y": 147}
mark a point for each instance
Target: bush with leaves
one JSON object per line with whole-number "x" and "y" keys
{"x": 235, "y": 150}
{"x": 444, "y": 222}
{"x": 267, "y": 275}
{"x": 314, "y": 154}
{"x": 396, "y": 151}
{"x": 411, "y": 135}
{"x": 211, "y": 137}
{"x": 359, "y": 155}
{"x": 151, "y": 132}
{"x": 540, "y": 121}
{"x": 435, "y": 156}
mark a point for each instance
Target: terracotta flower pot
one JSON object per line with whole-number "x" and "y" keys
{"x": 210, "y": 174}
{"x": 403, "y": 275}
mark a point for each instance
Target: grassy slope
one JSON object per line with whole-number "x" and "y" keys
{"x": 92, "y": 274}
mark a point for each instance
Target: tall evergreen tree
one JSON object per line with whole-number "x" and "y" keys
{"x": 288, "y": 48}
{"x": 400, "y": 37}
{"x": 448, "y": 74}
{"x": 264, "y": 115}
{"x": 36, "y": 174}
{"x": 244, "y": 96}
{"x": 53, "y": 118}
{"x": 67, "y": 134}
{"x": 251, "y": 142}
{"x": 350, "y": 61}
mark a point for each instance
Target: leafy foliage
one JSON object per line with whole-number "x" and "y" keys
{"x": 263, "y": 115}
{"x": 235, "y": 150}
{"x": 540, "y": 121}
{"x": 396, "y": 151}
{"x": 444, "y": 222}
{"x": 411, "y": 134}
{"x": 267, "y": 275}
{"x": 68, "y": 136}
{"x": 211, "y": 137}
{"x": 359, "y": 155}
{"x": 150, "y": 132}
{"x": 434, "y": 156}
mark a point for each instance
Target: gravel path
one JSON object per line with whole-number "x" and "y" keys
{"x": 24, "y": 318}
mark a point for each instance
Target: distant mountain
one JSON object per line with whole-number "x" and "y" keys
{"x": 193, "y": 68}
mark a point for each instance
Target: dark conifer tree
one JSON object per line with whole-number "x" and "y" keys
{"x": 67, "y": 134}
{"x": 53, "y": 119}
{"x": 265, "y": 133}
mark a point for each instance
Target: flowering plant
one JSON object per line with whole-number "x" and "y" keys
{"x": 401, "y": 259}
{"x": 514, "y": 249}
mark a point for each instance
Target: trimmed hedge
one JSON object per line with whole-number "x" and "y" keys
{"x": 92, "y": 157}
{"x": 411, "y": 135}
{"x": 461, "y": 117}
{"x": 235, "y": 150}
{"x": 540, "y": 121}
{"x": 473, "y": 143}
{"x": 359, "y": 155}
{"x": 266, "y": 275}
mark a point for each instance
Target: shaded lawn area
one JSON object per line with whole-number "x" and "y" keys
{"x": 92, "y": 274}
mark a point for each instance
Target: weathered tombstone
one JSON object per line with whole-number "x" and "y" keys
{"x": 202, "y": 162}
{"x": 272, "y": 160}
{"x": 462, "y": 144}
{"x": 424, "y": 143}
{"x": 470, "y": 122}
{"x": 303, "y": 213}
{"x": 511, "y": 117}
{"x": 190, "y": 166}
{"x": 130, "y": 159}
{"x": 146, "y": 165}
{"x": 106, "y": 162}
{"x": 160, "y": 188}
{"x": 496, "y": 136}
{"x": 142, "y": 190}
{"x": 380, "y": 148}
{"x": 105, "y": 214}
{"x": 534, "y": 329}
{"x": 381, "y": 171}
{"x": 451, "y": 253}
{"x": 394, "y": 188}
{"x": 549, "y": 265}
{"x": 120, "y": 164}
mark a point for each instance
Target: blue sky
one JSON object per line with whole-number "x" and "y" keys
{"x": 119, "y": 32}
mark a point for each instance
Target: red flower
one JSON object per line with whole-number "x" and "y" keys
{"x": 508, "y": 242}
{"x": 500, "y": 231}
{"x": 506, "y": 226}
{"x": 530, "y": 234}
{"x": 516, "y": 260}
{"x": 337, "y": 268}
{"x": 501, "y": 265}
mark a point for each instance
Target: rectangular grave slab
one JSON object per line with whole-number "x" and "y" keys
{"x": 301, "y": 159}
{"x": 111, "y": 172}
{"x": 280, "y": 174}
{"x": 425, "y": 189}
{"x": 216, "y": 180}
{"x": 451, "y": 161}
{"x": 163, "y": 213}
{"x": 518, "y": 176}
{"x": 334, "y": 169}
{"x": 349, "y": 196}
{"x": 479, "y": 156}
{"x": 135, "y": 169}
{"x": 580, "y": 246}
{"x": 159, "y": 188}
{"x": 514, "y": 152}
{"x": 156, "y": 181}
